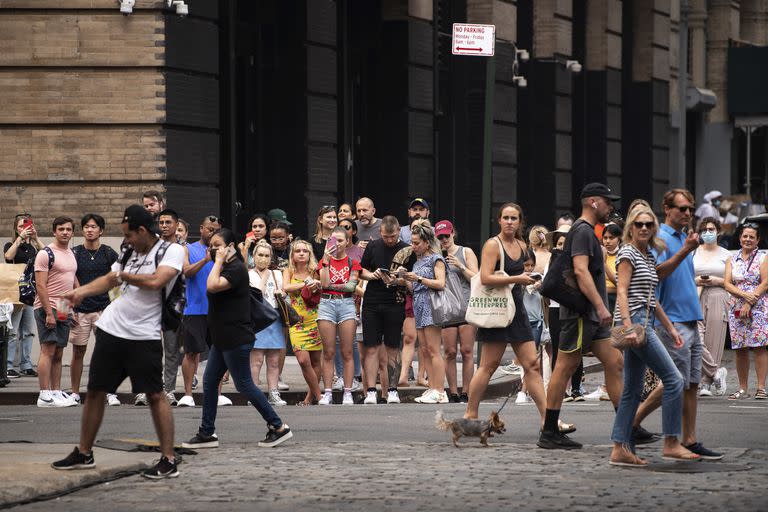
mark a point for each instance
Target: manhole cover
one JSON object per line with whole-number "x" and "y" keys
{"x": 696, "y": 467}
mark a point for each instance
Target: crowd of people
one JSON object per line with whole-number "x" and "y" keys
{"x": 355, "y": 301}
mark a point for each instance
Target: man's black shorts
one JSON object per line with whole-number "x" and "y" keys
{"x": 115, "y": 358}
{"x": 193, "y": 334}
{"x": 382, "y": 321}
{"x": 580, "y": 333}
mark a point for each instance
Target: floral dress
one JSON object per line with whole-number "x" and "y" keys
{"x": 304, "y": 335}
{"x": 748, "y": 332}
{"x": 422, "y": 305}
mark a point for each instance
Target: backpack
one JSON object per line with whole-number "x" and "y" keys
{"x": 174, "y": 302}
{"x": 27, "y": 281}
{"x": 560, "y": 282}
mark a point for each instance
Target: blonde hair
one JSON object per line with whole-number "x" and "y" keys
{"x": 423, "y": 229}
{"x": 637, "y": 202}
{"x": 311, "y": 264}
{"x": 262, "y": 244}
{"x": 655, "y": 242}
{"x": 537, "y": 237}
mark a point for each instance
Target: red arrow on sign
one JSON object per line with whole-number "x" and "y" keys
{"x": 459, "y": 48}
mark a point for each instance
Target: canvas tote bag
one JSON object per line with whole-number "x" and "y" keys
{"x": 491, "y": 306}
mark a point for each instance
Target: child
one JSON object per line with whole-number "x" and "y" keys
{"x": 611, "y": 239}
{"x": 533, "y": 306}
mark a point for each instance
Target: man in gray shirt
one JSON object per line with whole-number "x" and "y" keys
{"x": 368, "y": 226}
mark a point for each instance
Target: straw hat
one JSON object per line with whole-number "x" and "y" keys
{"x": 565, "y": 228}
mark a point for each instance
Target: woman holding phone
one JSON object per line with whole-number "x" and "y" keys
{"x": 336, "y": 312}
{"x": 325, "y": 223}
{"x": 305, "y": 339}
{"x": 24, "y": 247}
{"x": 258, "y": 224}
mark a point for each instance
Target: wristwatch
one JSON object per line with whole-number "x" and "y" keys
{"x": 419, "y": 280}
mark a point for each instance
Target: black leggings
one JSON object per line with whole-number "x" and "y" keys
{"x": 554, "y": 332}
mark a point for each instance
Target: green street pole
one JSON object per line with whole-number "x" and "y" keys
{"x": 485, "y": 201}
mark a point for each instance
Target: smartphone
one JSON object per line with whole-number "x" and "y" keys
{"x": 248, "y": 235}
{"x": 330, "y": 245}
{"x": 384, "y": 271}
{"x": 27, "y": 224}
{"x": 445, "y": 254}
{"x": 535, "y": 276}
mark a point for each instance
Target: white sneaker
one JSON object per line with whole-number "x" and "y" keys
{"x": 282, "y": 386}
{"x": 356, "y": 385}
{"x": 433, "y": 397}
{"x": 223, "y": 401}
{"x": 275, "y": 399}
{"x": 141, "y": 399}
{"x": 370, "y": 398}
{"x": 393, "y": 397}
{"x": 705, "y": 389}
{"x": 73, "y": 396}
{"x": 186, "y": 401}
{"x": 62, "y": 400}
{"x": 347, "y": 400}
{"x": 338, "y": 384}
{"x": 45, "y": 399}
{"x": 719, "y": 383}
{"x": 326, "y": 399}
{"x": 511, "y": 369}
{"x": 522, "y": 398}
{"x": 171, "y": 398}
{"x": 112, "y": 399}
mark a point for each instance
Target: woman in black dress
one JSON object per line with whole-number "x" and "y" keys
{"x": 518, "y": 333}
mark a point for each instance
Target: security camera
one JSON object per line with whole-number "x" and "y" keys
{"x": 573, "y": 66}
{"x": 520, "y": 81}
{"x": 126, "y": 6}
{"x": 523, "y": 55}
{"x": 182, "y": 9}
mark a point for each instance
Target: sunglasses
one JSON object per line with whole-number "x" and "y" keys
{"x": 751, "y": 225}
{"x": 348, "y": 227}
{"x": 646, "y": 225}
{"x": 684, "y": 209}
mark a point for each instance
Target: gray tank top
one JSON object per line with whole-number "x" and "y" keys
{"x": 465, "y": 288}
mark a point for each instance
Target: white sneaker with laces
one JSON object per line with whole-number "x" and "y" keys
{"x": 275, "y": 399}
{"x": 338, "y": 384}
{"x": 45, "y": 399}
{"x": 171, "y": 398}
{"x": 370, "y": 398}
{"x": 511, "y": 369}
{"x": 62, "y": 400}
{"x": 432, "y": 397}
{"x": 112, "y": 400}
{"x": 356, "y": 385}
{"x": 326, "y": 399}
{"x": 393, "y": 397}
{"x": 347, "y": 400}
{"x": 282, "y": 386}
{"x": 186, "y": 401}
{"x": 141, "y": 399}
{"x": 223, "y": 401}
{"x": 73, "y": 396}
{"x": 705, "y": 389}
{"x": 719, "y": 385}
{"x": 522, "y": 398}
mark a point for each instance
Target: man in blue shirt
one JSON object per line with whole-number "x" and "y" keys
{"x": 680, "y": 300}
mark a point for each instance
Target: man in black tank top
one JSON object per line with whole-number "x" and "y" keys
{"x": 590, "y": 331}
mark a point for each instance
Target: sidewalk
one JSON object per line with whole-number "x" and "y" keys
{"x": 24, "y": 391}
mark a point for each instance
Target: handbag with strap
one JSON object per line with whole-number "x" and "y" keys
{"x": 560, "y": 282}
{"x": 447, "y": 307}
{"x": 288, "y": 314}
{"x": 491, "y": 307}
{"x": 619, "y": 333}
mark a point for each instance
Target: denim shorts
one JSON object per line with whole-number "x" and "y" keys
{"x": 688, "y": 357}
{"x": 336, "y": 310}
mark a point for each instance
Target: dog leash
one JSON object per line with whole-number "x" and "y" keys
{"x": 488, "y": 429}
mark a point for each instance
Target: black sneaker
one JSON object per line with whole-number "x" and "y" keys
{"x": 163, "y": 469}
{"x": 556, "y": 441}
{"x": 13, "y": 374}
{"x": 29, "y": 372}
{"x": 463, "y": 398}
{"x": 578, "y": 396}
{"x": 453, "y": 398}
{"x": 275, "y": 438}
{"x": 202, "y": 441}
{"x": 704, "y": 453}
{"x": 642, "y": 436}
{"x": 75, "y": 460}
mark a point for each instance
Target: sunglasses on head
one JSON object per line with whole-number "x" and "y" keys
{"x": 646, "y": 225}
{"x": 751, "y": 225}
{"x": 348, "y": 227}
{"x": 213, "y": 218}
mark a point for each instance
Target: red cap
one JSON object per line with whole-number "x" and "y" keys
{"x": 444, "y": 227}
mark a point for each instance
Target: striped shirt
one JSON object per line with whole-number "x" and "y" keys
{"x": 644, "y": 278}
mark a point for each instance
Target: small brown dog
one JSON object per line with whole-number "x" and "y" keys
{"x": 471, "y": 428}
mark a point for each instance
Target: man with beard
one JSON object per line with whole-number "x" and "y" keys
{"x": 418, "y": 209}
{"x": 367, "y": 224}
{"x": 584, "y": 332}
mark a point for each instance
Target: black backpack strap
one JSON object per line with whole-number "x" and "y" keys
{"x": 160, "y": 254}
{"x": 51, "y": 257}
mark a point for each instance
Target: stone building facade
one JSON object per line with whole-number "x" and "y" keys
{"x": 243, "y": 106}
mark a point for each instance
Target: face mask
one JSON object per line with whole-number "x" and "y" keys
{"x": 716, "y": 203}
{"x": 709, "y": 238}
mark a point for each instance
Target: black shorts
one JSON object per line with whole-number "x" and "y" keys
{"x": 114, "y": 359}
{"x": 382, "y": 321}
{"x": 193, "y": 334}
{"x": 580, "y": 333}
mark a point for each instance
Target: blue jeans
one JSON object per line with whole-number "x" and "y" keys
{"x": 338, "y": 363}
{"x": 22, "y": 335}
{"x": 237, "y": 360}
{"x": 537, "y": 327}
{"x": 657, "y": 358}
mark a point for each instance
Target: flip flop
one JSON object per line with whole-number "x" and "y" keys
{"x": 627, "y": 464}
{"x": 685, "y": 458}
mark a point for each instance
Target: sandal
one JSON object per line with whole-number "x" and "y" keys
{"x": 740, "y": 394}
{"x": 761, "y": 395}
{"x": 565, "y": 428}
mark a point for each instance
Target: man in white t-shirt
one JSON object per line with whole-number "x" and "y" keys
{"x": 128, "y": 337}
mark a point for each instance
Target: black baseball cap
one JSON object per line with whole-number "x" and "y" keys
{"x": 137, "y": 216}
{"x": 420, "y": 201}
{"x": 598, "y": 190}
